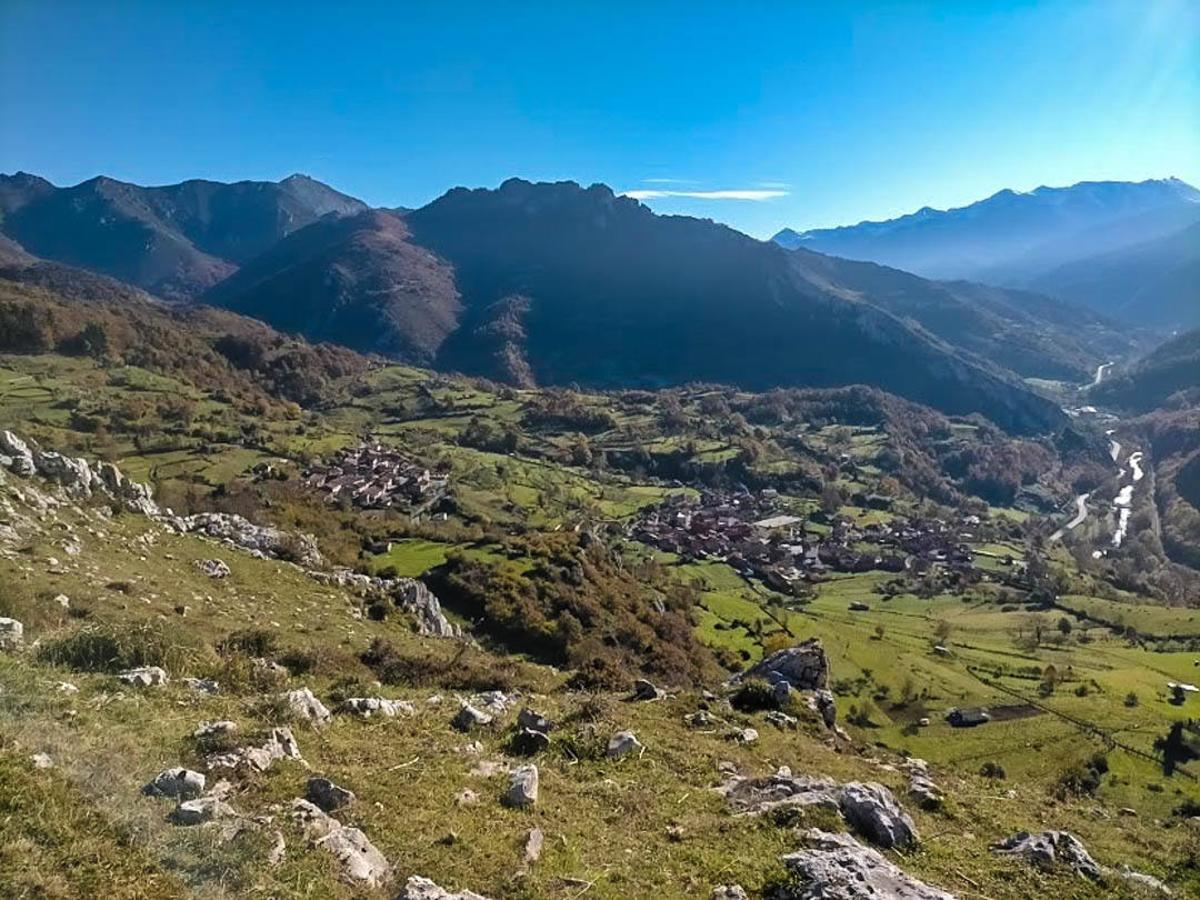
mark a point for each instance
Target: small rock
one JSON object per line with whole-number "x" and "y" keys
{"x": 418, "y": 888}
{"x": 466, "y": 797}
{"x": 62, "y": 600}
{"x": 743, "y": 735}
{"x": 65, "y": 687}
{"x": 1142, "y": 880}
{"x": 469, "y": 718}
{"x": 369, "y": 706}
{"x": 212, "y": 729}
{"x": 1050, "y": 847}
{"x": 533, "y": 845}
{"x": 622, "y": 744}
{"x": 213, "y": 568}
{"x": 360, "y": 860}
{"x": 781, "y": 720}
{"x": 327, "y": 795}
{"x": 645, "y": 690}
{"x": 176, "y": 782}
{"x": 729, "y": 892}
{"x": 278, "y": 850}
{"x": 42, "y": 761}
{"x": 304, "y": 704}
{"x": 201, "y": 810}
{"x": 203, "y": 685}
{"x": 145, "y": 676}
{"x": 527, "y": 742}
{"x": 12, "y": 634}
{"x": 522, "y": 787}
{"x": 534, "y": 721}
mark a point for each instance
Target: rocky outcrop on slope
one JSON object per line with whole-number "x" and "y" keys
{"x": 869, "y": 808}
{"x": 837, "y": 867}
{"x": 408, "y": 594}
{"x": 360, "y": 861}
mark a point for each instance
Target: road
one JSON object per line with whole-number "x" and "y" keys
{"x": 1100, "y": 370}
{"x": 1080, "y": 514}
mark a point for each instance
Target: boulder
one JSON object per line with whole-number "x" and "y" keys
{"x": 468, "y": 718}
{"x": 729, "y": 892}
{"x": 176, "y": 782}
{"x": 72, "y": 473}
{"x": 201, "y": 810}
{"x": 743, "y": 735}
{"x": 522, "y": 787}
{"x": 12, "y": 634}
{"x": 1049, "y": 848}
{"x": 418, "y": 601}
{"x": 327, "y": 795}
{"x": 754, "y": 796}
{"x": 304, "y": 705}
{"x": 369, "y": 706}
{"x": 873, "y": 812}
{"x": 622, "y": 744}
{"x": 261, "y": 541}
{"x": 144, "y": 676}
{"x": 805, "y": 667}
{"x": 418, "y": 888}
{"x": 360, "y": 860}
{"x": 837, "y": 867}
{"x": 18, "y": 452}
{"x": 280, "y": 745}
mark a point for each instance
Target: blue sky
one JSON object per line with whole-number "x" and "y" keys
{"x": 778, "y": 113}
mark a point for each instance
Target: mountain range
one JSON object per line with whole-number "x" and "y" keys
{"x": 1121, "y": 248}
{"x": 554, "y": 283}
{"x": 175, "y": 241}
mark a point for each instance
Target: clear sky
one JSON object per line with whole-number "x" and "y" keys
{"x": 793, "y": 114}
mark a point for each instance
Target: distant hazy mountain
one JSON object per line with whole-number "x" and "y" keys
{"x": 176, "y": 240}
{"x": 554, "y": 283}
{"x": 1155, "y": 282}
{"x": 1022, "y": 239}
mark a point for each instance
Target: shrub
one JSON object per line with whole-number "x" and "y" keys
{"x": 102, "y": 648}
{"x": 250, "y": 641}
{"x": 992, "y": 770}
{"x": 753, "y": 696}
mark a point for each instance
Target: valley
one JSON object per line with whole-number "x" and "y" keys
{"x": 697, "y": 529}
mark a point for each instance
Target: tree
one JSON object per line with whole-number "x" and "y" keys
{"x": 831, "y": 498}
{"x": 942, "y": 630}
{"x": 879, "y": 632}
{"x": 1064, "y": 626}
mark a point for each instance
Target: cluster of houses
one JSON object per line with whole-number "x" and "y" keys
{"x": 372, "y": 476}
{"x": 750, "y": 533}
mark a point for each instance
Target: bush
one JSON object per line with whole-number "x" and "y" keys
{"x": 102, "y": 648}
{"x": 754, "y": 695}
{"x": 992, "y": 770}
{"x": 1085, "y": 778}
{"x": 468, "y": 669}
{"x": 250, "y": 641}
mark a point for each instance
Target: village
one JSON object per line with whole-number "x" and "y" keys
{"x": 755, "y": 535}
{"x": 374, "y": 476}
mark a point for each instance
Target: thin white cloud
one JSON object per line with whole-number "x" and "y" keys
{"x": 740, "y": 194}
{"x": 667, "y": 181}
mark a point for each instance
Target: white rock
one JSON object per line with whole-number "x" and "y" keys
{"x": 837, "y": 867}
{"x": 622, "y": 744}
{"x": 145, "y": 676}
{"x": 176, "y": 782}
{"x": 304, "y": 704}
{"x": 12, "y": 634}
{"x": 418, "y": 888}
{"x": 361, "y": 861}
{"x": 522, "y": 787}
